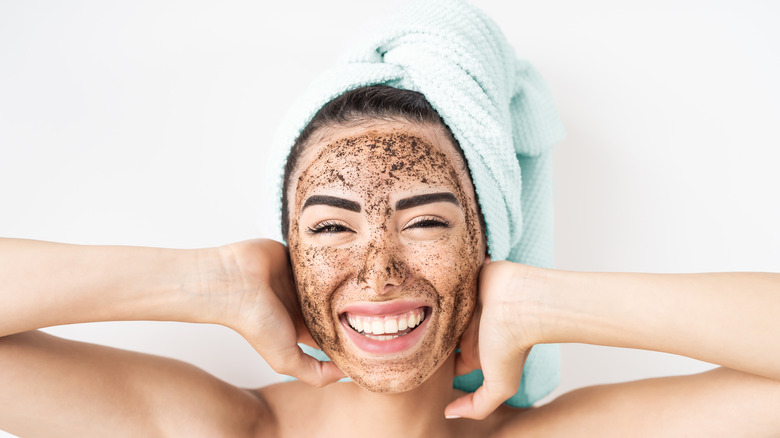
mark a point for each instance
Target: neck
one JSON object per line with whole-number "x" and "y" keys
{"x": 418, "y": 412}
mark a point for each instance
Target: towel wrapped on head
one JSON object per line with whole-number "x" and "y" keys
{"x": 498, "y": 108}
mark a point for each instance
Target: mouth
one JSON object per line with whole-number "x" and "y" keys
{"x": 386, "y": 327}
{"x": 385, "y": 333}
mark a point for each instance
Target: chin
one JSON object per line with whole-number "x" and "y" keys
{"x": 385, "y": 385}
{"x": 392, "y": 374}
{"x": 385, "y": 379}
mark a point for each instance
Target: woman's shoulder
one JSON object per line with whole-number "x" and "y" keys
{"x": 560, "y": 417}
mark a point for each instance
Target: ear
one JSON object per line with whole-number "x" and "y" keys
{"x": 487, "y": 259}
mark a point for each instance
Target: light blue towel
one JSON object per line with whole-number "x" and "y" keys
{"x": 499, "y": 109}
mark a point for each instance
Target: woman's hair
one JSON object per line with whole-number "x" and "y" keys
{"x": 373, "y": 102}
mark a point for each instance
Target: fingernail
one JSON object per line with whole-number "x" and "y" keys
{"x": 451, "y": 417}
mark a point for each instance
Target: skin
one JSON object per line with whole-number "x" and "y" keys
{"x": 431, "y": 252}
{"x": 58, "y": 387}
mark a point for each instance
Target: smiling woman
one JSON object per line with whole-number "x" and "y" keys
{"x": 409, "y": 241}
{"x": 415, "y": 205}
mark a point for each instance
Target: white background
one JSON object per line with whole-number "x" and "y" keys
{"x": 147, "y": 123}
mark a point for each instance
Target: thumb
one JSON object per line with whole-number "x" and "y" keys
{"x": 479, "y": 404}
{"x": 502, "y": 377}
{"x": 294, "y": 362}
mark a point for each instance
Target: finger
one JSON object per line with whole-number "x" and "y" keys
{"x": 502, "y": 377}
{"x": 481, "y": 403}
{"x": 294, "y": 362}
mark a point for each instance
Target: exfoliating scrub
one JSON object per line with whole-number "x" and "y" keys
{"x": 386, "y": 247}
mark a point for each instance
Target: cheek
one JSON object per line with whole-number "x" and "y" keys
{"x": 452, "y": 267}
{"x": 455, "y": 275}
{"x": 319, "y": 272}
{"x": 315, "y": 267}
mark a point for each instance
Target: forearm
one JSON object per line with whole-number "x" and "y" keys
{"x": 729, "y": 319}
{"x": 44, "y": 284}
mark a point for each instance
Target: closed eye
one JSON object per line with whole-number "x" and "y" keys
{"x": 428, "y": 222}
{"x": 329, "y": 227}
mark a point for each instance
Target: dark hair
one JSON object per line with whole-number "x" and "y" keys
{"x": 373, "y": 102}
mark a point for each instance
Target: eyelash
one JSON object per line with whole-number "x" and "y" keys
{"x": 428, "y": 222}
{"x": 333, "y": 227}
{"x": 329, "y": 227}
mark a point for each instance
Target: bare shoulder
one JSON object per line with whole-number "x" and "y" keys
{"x": 582, "y": 412}
{"x": 689, "y": 405}
{"x": 103, "y": 391}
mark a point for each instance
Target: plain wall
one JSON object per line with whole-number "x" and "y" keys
{"x": 147, "y": 123}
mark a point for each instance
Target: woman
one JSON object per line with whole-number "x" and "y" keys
{"x": 386, "y": 239}
{"x": 384, "y": 232}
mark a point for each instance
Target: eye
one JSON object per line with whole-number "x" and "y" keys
{"x": 428, "y": 222}
{"x": 329, "y": 227}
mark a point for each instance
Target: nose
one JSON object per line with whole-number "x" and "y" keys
{"x": 383, "y": 268}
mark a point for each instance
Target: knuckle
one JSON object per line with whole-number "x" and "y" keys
{"x": 481, "y": 413}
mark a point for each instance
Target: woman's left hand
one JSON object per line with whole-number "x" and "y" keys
{"x": 498, "y": 339}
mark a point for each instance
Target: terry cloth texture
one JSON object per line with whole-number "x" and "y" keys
{"x": 499, "y": 109}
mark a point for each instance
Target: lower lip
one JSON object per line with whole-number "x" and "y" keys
{"x": 395, "y": 345}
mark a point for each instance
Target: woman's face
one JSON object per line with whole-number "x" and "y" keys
{"x": 386, "y": 247}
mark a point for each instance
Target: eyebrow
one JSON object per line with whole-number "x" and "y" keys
{"x": 415, "y": 201}
{"x": 332, "y": 201}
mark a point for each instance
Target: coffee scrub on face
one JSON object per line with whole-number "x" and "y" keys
{"x": 352, "y": 241}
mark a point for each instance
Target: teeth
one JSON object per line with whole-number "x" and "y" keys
{"x": 384, "y": 328}
{"x": 391, "y": 325}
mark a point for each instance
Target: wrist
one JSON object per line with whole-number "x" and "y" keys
{"x": 529, "y": 287}
{"x": 214, "y": 285}
{"x": 187, "y": 282}
{"x": 236, "y": 277}
{"x": 575, "y": 308}
{"x": 545, "y": 302}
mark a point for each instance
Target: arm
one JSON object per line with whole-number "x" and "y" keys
{"x": 717, "y": 403}
{"x": 45, "y": 284}
{"x": 730, "y": 319}
{"x": 721, "y": 318}
{"x": 57, "y": 387}
{"x": 245, "y": 286}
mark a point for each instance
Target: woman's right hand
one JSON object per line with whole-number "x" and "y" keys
{"x": 261, "y": 304}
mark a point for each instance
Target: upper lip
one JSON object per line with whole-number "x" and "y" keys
{"x": 369, "y": 308}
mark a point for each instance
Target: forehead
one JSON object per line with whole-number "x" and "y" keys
{"x": 384, "y": 154}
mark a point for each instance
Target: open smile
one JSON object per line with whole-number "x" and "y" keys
{"x": 385, "y": 333}
{"x": 384, "y": 328}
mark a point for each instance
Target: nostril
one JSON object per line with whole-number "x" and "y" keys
{"x": 381, "y": 271}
